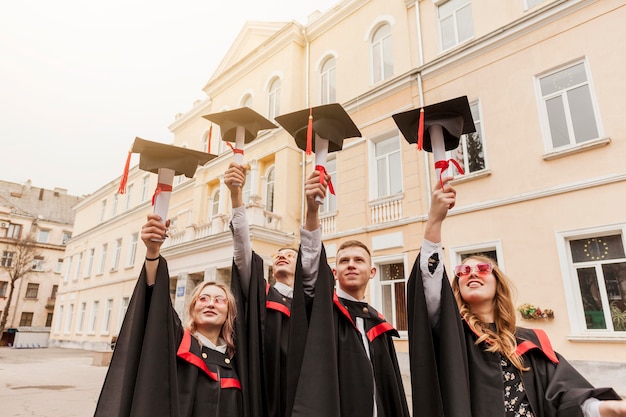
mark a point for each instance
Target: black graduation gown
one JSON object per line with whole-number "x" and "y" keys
{"x": 473, "y": 386}
{"x": 262, "y": 342}
{"x": 158, "y": 369}
{"x": 336, "y": 377}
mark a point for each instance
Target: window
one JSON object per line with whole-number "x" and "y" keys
{"x": 31, "y": 290}
{"x": 93, "y": 317}
{"x": 7, "y": 259}
{"x": 79, "y": 265}
{"x": 129, "y": 196}
{"x": 269, "y": 190}
{"x": 568, "y": 107}
{"x": 103, "y": 258}
{"x": 392, "y": 280}
{"x": 57, "y": 326}
{"x": 66, "y": 237}
{"x": 116, "y": 200}
{"x": 43, "y": 236}
{"x": 38, "y": 262}
{"x": 53, "y": 293}
{"x": 3, "y": 288}
{"x": 388, "y": 167}
{"x": 103, "y": 210}
{"x": 26, "y": 320}
{"x": 116, "y": 255}
{"x": 68, "y": 322}
{"x": 245, "y": 192}
{"x": 206, "y": 140}
{"x": 599, "y": 279}
{"x": 132, "y": 249}
{"x": 123, "y": 309}
{"x": 471, "y": 151}
{"x": 273, "y": 99}
{"x": 215, "y": 204}
{"x": 81, "y": 317}
{"x": 382, "y": 57}
{"x": 246, "y": 101}
{"x": 49, "y": 319}
{"x": 59, "y": 266}
{"x": 14, "y": 231}
{"x": 455, "y": 23}
{"x": 91, "y": 254}
{"x": 145, "y": 188}
{"x": 327, "y": 81}
{"x": 529, "y": 4}
{"x": 106, "y": 319}
{"x": 66, "y": 277}
{"x": 330, "y": 202}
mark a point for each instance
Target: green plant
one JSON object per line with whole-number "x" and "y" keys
{"x": 618, "y": 316}
{"x": 530, "y": 312}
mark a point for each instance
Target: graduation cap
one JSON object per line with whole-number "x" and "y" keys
{"x": 437, "y": 128}
{"x": 240, "y": 126}
{"x": 167, "y": 161}
{"x": 329, "y": 124}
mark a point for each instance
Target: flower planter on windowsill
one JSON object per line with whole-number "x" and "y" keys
{"x": 530, "y": 312}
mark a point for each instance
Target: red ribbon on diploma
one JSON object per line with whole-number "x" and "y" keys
{"x": 322, "y": 171}
{"x": 235, "y": 150}
{"x": 443, "y": 165}
{"x": 160, "y": 188}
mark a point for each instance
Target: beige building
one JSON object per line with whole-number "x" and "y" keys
{"x": 35, "y": 225}
{"x": 543, "y": 184}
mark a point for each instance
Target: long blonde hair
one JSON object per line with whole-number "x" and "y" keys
{"x": 228, "y": 328}
{"x": 502, "y": 339}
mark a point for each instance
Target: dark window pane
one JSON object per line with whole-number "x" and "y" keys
{"x": 590, "y": 293}
{"x": 597, "y": 248}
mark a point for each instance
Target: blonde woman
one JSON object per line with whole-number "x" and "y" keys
{"x": 483, "y": 365}
{"x": 162, "y": 368}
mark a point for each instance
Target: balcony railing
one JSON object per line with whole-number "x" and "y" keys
{"x": 386, "y": 209}
{"x": 329, "y": 223}
{"x": 50, "y": 302}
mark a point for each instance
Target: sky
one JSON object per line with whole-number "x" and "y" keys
{"x": 79, "y": 80}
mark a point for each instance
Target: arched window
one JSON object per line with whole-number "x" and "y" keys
{"x": 273, "y": 101}
{"x": 382, "y": 59}
{"x": 246, "y": 101}
{"x": 327, "y": 81}
{"x": 269, "y": 190}
{"x": 215, "y": 203}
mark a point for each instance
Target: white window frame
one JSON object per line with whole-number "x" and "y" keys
{"x": 103, "y": 258}
{"x": 129, "y": 196}
{"x": 214, "y": 208}
{"x": 66, "y": 276}
{"x": 122, "y": 313}
{"x": 59, "y": 266}
{"x": 59, "y": 320}
{"x": 81, "y": 318}
{"x": 328, "y": 79}
{"x": 463, "y": 159}
{"x": 543, "y": 113}
{"x": 575, "y": 312}
{"x": 457, "y": 252}
{"x": 373, "y": 167}
{"x": 330, "y": 202}
{"x": 273, "y": 97}
{"x": 103, "y": 209}
{"x": 106, "y": 317}
{"x": 381, "y": 47}
{"x": 132, "y": 249}
{"x": 454, "y": 16}
{"x": 116, "y": 198}
{"x": 43, "y": 236}
{"x": 68, "y": 323}
{"x": 270, "y": 185}
{"x": 91, "y": 255}
{"x": 376, "y": 287}
{"x": 117, "y": 255}
{"x": 145, "y": 188}
{"x": 79, "y": 264}
{"x": 93, "y": 317}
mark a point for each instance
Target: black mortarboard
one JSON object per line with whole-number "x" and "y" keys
{"x": 454, "y": 116}
{"x": 245, "y": 117}
{"x": 329, "y": 121}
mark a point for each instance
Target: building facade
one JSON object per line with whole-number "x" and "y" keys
{"x": 542, "y": 189}
{"x": 35, "y": 225}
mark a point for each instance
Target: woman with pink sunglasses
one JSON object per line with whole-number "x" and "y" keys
{"x": 464, "y": 337}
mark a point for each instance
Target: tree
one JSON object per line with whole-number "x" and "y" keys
{"x": 18, "y": 265}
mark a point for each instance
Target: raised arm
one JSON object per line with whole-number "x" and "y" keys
{"x": 443, "y": 199}
{"x": 153, "y": 234}
{"x": 235, "y": 178}
{"x": 311, "y": 232}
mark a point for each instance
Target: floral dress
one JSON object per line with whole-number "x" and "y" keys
{"x": 515, "y": 400}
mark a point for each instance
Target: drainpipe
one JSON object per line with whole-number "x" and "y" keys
{"x": 420, "y": 87}
{"x": 307, "y": 104}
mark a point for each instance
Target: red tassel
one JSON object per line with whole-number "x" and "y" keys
{"x": 208, "y": 139}
{"x": 420, "y": 131}
{"x": 309, "y": 134}
{"x": 124, "y": 179}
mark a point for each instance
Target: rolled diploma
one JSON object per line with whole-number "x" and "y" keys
{"x": 239, "y": 142}
{"x": 321, "y": 155}
{"x": 162, "y": 200}
{"x": 438, "y": 145}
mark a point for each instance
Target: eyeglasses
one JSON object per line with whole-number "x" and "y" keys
{"x": 464, "y": 270}
{"x": 205, "y": 300}
{"x": 289, "y": 254}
